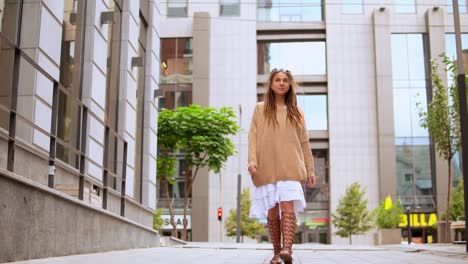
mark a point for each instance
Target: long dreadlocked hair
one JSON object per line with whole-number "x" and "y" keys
{"x": 294, "y": 115}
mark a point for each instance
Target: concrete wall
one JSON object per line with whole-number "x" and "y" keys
{"x": 38, "y": 222}
{"x": 352, "y": 109}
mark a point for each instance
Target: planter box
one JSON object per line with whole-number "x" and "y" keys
{"x": 388, "y": 236}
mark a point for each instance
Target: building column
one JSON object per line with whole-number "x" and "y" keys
{"x": 384, "y": 98}
{"x": 201, "y": 95}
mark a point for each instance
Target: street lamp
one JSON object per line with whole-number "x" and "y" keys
{"x": 408, "y": 226}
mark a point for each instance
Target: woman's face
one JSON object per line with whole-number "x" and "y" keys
{"x": 280, "y": 83}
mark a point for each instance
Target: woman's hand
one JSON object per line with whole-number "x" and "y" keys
{"x": 252, "y": 170}
{"x": 311, "y": 180}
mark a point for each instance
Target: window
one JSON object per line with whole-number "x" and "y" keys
{"x": 112, "y": 69}
{"x": 289, "y": 10}
{"x": 301, "y": 58}
{"x": 112, "y": 88}
{"x": 317, "y": 217}
{"x": 229, "y": 8}
{"x": 176, "y": 72}
{"x": 315, "y": 111}
{"x": 8, "y": 18}
{"x": 320, "y": 192}
{"x": 68, "y": 123}
{"x": 410, "y": 85}
{"x": 461, "y": 6}
{"x": 408, "y": 177}
{"x": 404, "y": 6}
{"x": 177, "y": 8}
{"x": 351, "y": 7}
{"x": 140, "y": 108}
{"x": 176, "y": 190}
{"x": 8, "y": 27}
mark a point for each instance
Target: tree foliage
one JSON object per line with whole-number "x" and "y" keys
{"x": 202, "y": 136}
{"x": 249, "y": 227}
{"x": 387, "y": 218}
{"x": 352, "y": 216}
{"x": 457, "y": 202}
{"x": 442, "y": 118}
{"x": 157, "y": 219}
{"x": 167, "y": 143}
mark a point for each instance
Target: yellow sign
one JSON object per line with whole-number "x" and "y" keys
{"x": 418, "y": 220}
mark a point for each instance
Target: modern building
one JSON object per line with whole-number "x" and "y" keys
{"x": 82, "y": 82}
{"x": 78, "y": 121}
{"x": 362, "y": 69}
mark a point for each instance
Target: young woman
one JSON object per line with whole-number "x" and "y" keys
{"x": 280, "y": 160}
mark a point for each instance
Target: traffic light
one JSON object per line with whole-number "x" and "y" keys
{"x": 220, "y": 213}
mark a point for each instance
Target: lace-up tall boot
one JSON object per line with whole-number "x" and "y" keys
{"x": 274, "y": 227}
{"x": 288, "y": 228}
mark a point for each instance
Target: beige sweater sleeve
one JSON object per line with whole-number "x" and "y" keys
{"x": 307, "y": 152}
{"x": 253, "y": 138}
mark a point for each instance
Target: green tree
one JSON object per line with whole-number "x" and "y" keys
{"x": 386, "y": 218}
{"x": 167, "y": 143}
{"x": 157, "y": 219}
{"x": 203, "y": 135}
{"x": 352, "y": 216}
{"x": 457, "y": 202}
{"x": 249, "y": 227}
{"x": 442, "y": 118}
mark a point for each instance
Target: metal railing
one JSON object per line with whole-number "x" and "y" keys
{"x": 84, "y": 114}
{"x": 418, "y": 202}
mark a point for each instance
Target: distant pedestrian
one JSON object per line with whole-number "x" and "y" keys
{"x": 280, "y": 160}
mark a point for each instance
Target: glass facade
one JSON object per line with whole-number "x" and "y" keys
{"x": 176, "y": 82}
{"x": 9, "y": 11}
{"x": 404, "y": 6}
{"x": 112, "y": 87}
{"x": 229, "y": 8}
{"x": 351, "y": 7}
{"x": 315, "y": 111}
{"x": 176, "y": 72}
{"x": 176, "y": 190}
{"x": 461, "y": 6}
{"x": 289, "y": 10}
{"x": 413, "y": 148}
{"x": 301, "y": 58}
{"x": 313, "y": 224}
{"x": 177, "y": 8}
{"x": 68, "y": 126}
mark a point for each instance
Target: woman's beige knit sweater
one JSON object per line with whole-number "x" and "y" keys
{"x": 280, "y": 153}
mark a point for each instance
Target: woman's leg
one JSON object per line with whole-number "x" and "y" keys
{"x": 288, "y": 228}
{"x": 274, "y": 227}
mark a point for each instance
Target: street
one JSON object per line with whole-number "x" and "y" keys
{"x": 211, "y": 253}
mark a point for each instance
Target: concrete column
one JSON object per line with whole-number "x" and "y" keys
{"x": 201, "y": 96}
{"x": 151, "y": 113}
{"x": 128, "y": 82}
{"x": 384, "y": 103}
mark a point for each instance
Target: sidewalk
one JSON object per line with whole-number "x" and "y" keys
{"x": 211, "y": 253}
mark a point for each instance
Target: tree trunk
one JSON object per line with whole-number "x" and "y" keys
{"x": 447, "y": 210}
{"x": 187, "y": 192}
{"x": 165, "y": 184}
{"x": 350, "y": 239}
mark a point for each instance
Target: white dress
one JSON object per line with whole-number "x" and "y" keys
{"x": 267, "y": 196}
